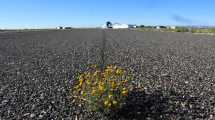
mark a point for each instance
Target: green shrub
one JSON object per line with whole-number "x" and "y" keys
{"x": 181, "y": 29}
{"x": 203, "y": 30}
{"x": 102, "y": 90}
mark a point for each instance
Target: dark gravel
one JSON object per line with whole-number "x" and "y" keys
{"x": 174, "y": 71}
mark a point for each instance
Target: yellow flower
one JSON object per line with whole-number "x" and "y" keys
{"x": 94, "y": 83}
{"x": 119, "y": 72}
{"x": 108, "y": 71}
{"x": 107, "y": 103}
{"x": 83, "y": 93}
{"x": 93, "y": 92}
{"x": 110, "y": 96}
{"x": 114, "y": 102}
{"x": 113, "y": 85}
{"x": 108, "y": 86}
{"x": 81, "y": 76}
{"x": 87, "y": 75}
{"x": 93, "y": 66}
{"x": 124, "y": 92}
{"x": 96, "y": 73}
{"x": 81, "y": 82}
{"x": 109, "y": 66}
{"x": 101, "y": 83}
{"x": 103, "y": 75}
{"x": 77, "y": 87}
{"x": 88, "y": 82}
{"x": 101, "y": 86}
{"x": 124, "y": 81}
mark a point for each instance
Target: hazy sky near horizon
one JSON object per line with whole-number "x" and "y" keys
{"x": 92, "y": 13}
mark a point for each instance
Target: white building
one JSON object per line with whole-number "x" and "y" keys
{"x": 132, "y": 26}
{"x": 59, "y": 27}
{"x": 158, "y": 27}
{"x": 171, "y": 27}
{"x": 104, "y": 26}
{"x": 120, "y": 26}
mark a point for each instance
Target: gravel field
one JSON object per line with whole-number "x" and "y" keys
{"x": 175, "y": 72}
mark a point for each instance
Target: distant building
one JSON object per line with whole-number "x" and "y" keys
{"x": 117, "y": 26}
{"x": 161, "y": 27}
{"x": 60, "y": 27}
{"x": 104, "y": 26}
{"x": 132, "y": 26}
{"x": 120, "y": 26}
{"x": 158, "y": 27}
{"x": 171, "y": 27}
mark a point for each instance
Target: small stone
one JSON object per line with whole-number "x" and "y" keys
{"x": 164, "y": 74}
{"x": 18, "y": 72}
{"x": 76, "y": 117}
{"x": 155, "y": 67}
{"x": 33, "y": 106}
{"x": 40, "y": 116}
{"x": 4, "y": 102}
{"x": 211, "y": 117}
{"x": 191, "y": 106}
{"x": 73, "y": 101}
{"x": 26, "y": 114}
{"x": 138, "y": 113}
{"x": 183, "y": 105}
{"x": 32, "y": 115}
{"x": 42, "y": 96}
{"x": 80, "y": 105}
{"x": 43, "y": 112}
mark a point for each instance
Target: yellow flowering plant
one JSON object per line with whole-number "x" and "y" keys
{"x": 103, "y": 90}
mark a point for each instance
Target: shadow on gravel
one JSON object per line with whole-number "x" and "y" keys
{"x": 156, "y": 106}
{"x": 140, "y": 105}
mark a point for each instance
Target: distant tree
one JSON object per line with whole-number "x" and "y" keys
{"x": 142, "y": 26}
{"x": 109, "y": 24}
{"x": 68, "y": 27}
{"x": 164, "y": 27}
{"x": 181, "y": 29}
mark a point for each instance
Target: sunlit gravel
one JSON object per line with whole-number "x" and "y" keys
{"x": 174, "y": 73}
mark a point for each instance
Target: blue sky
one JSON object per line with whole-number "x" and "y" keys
{"x": 92, "y": 13}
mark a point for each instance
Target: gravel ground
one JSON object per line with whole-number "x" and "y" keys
{"x": 174, "y": 71}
